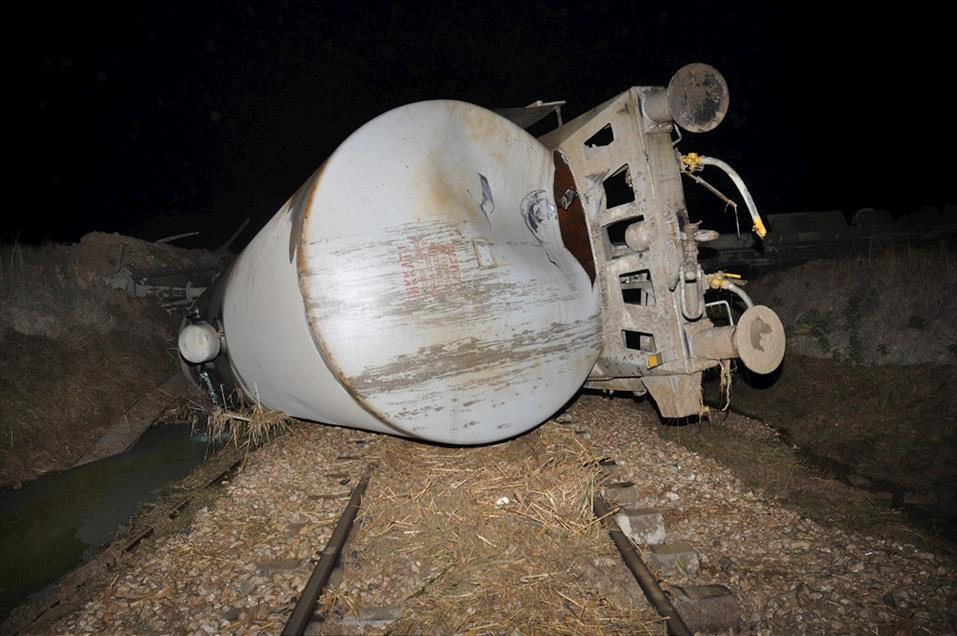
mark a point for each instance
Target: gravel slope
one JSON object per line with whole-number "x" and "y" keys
{"x": 790, "y": 574}
{"x": 241, "y": 565}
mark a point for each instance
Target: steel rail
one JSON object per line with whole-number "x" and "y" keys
{"x": 646, "y": 580}
{"x": 299, "y": 619}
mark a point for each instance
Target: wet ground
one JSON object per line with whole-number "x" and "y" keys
{"x": 54, "y": 523}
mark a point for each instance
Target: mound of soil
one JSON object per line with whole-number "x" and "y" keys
{"x": 75, "y": 354}
{"x": 896, "y": 307}
{"x": 866, "y": 387}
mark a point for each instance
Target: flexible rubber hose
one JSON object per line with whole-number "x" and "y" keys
{"x": 739, "y": 182}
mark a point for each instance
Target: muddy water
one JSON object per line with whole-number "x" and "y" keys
{"x": 56, "y": 522}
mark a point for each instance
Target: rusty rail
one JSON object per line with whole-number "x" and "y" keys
{"x": 646, "y": 580}
{"x": 299, "y": 620}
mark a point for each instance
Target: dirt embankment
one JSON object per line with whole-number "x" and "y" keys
{"x": 74, "y": 353}
{"x": 892, "y": 308}
{"x": 868, "y": 380}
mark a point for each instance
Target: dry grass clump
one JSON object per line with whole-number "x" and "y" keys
{"x": 877, "y": 305}
{"x": 496, "y": 539}
{"x": 920, "y": 264}
{"x": 246, "y": 426}
{"x": 77, "y": 354}
{"x": 24, "y": 268}
{"x": 57, "y": 396}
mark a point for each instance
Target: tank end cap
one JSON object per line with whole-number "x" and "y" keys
{"x": 199, "y": 342}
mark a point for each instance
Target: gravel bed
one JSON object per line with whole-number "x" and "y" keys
{"x": 488, "y": 540}
{"x": 242, "y": 563}
{"x": 790, "y": 575}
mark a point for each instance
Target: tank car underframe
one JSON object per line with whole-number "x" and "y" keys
{"x": 625, "y": 173}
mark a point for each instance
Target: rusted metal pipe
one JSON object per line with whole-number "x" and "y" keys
{"x": 299, "y": 619}
{"x": 646, "y": 580}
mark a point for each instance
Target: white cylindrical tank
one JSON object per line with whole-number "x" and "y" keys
{"x": 416, "y": 284}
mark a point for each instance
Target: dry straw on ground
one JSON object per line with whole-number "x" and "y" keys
{"x": 246, "y": 426}
{"x": 497, "y": 539}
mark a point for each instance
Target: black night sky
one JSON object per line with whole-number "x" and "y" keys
{"x": 158, "y": 118}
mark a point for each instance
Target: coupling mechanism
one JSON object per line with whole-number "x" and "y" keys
{"x": 758, "y": 340}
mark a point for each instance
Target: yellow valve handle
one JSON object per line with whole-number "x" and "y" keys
{"x": 692, "y": 161}
{"x": 720, "y": 280}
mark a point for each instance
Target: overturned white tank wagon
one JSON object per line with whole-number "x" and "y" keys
{"x": 446, "y": 276}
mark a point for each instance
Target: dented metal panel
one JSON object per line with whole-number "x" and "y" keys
{"x": 417, "y": 284}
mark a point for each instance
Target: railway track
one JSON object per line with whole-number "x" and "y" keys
{"x": 495, "y": 539}
{"x": 473, "y": 521}
{"x": 711, "y": 608}
{"x": 302, "y": 613}
{"x": 449, "y": 534}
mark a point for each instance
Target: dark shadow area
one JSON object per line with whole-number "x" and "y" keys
{"x": 761, "y": 380}
{"x": 888, "y": 430}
